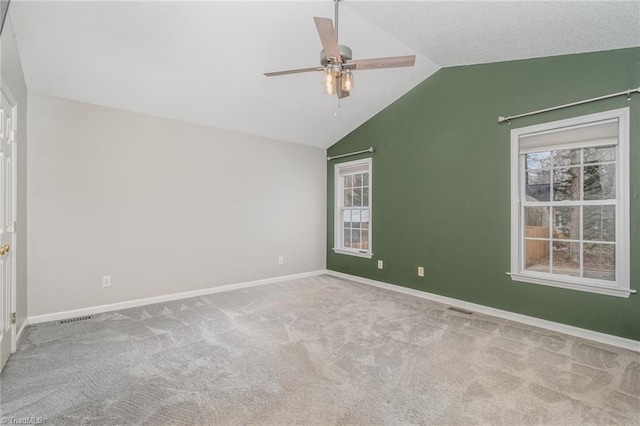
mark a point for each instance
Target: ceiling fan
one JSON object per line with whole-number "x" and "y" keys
{"x": 337, "y": 63}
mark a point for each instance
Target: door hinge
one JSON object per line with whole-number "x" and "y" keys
{"x": 13, "y": 317}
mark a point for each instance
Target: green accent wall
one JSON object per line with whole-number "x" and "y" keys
{"x": 441, "y": 183}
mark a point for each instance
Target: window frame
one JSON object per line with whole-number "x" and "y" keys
{"x": 340, "y": 170}
{"x": 621, "y": 286}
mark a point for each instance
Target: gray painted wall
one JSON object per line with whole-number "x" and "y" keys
{"x": 12, "y": 75}
{"x": 161, "y": 206}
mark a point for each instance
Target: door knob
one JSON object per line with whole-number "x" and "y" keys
{"x": 2, "y": 251}
{"x": 6, "y": 248}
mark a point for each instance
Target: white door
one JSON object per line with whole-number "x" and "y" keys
{"x": 7, "y": 225}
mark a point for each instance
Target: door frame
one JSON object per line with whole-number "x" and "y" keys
{"x": 4, "y": 88}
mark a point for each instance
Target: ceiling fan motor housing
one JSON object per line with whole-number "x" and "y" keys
{"x": 345, "y": 53}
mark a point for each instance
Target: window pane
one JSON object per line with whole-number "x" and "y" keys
{"x": 357, "y": 197}
{"x": 599, "y": 223}
{"x": 536, "y": 221}
{"x": 566, "y": 184}
{"x": 566, "y": 258}
{"x": 346, "y": 218}
{"x": 566, "y": 223}
{"x": 537, "y": 185}
{"x": 538, "y": 160}
{"x": 365, "y": 197}
{"x": 348, "y": 197}
{"x": 599, "y": 154}
{"x": 600, "y": 182}
{"x": 355, "y": 218}
{"x": 365, "y": 179}
{"x": 600, "y": 261}
{"x": 347, "y": 237}
{"x": 348, "y": 181}
{"x": 355, "y": 238}
{"x": 537, "y": 255}
{"x": 365, "y": 219}
{"x": 365, "y": 240}
{"x": 358, "y": 180}
{"x": 566, "y": 157}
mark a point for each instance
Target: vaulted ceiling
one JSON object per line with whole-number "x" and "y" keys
{"x": 202, "y": 62}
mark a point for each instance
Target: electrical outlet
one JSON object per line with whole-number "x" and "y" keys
{"x": 106, "y": 281}
{"x": 380, "y": 264}
{"x": 421, "y": 271}
{"x": 281, "y": 260}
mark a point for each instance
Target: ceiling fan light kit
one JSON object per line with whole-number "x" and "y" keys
{"x": 337, "y": 62}
{"x": 334, "y": 76}
{"x": 347, "y": 81}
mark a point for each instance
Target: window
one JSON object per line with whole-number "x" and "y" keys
{"x": 570, "y": 203}
{"x": 353, "y": 208}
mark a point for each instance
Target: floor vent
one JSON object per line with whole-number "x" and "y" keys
{"x": 70, "y": 320}
{"x": 459, "y": 310}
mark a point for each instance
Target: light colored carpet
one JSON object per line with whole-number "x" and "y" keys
{"x": 319, "y": 350}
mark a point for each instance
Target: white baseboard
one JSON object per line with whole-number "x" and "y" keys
{"x": 609, "y": 339}
{"x": 56, "y": 316}
{"x": 19, "y": 334}
{"x": 622, "y": 342}
{"x": 24, "y": 325}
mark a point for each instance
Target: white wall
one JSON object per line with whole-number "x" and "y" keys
{"x": 161, "y": 206}
{"x": 11, "y": 71}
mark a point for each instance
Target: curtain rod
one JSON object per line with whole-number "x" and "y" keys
{"x": 350, "y": 154}
{"x": 628, "y": 92}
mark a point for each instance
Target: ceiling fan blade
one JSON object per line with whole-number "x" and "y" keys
{"x": 275, "y": 73}
{"x": 328, "y": 38}
{"x": 378, "y": 63}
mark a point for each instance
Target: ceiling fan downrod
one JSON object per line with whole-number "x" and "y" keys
{"x": 336, "y": 1}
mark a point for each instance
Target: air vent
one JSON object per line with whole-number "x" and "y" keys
{"x": 461, "y": 311}
{"x": 70, "y": 320}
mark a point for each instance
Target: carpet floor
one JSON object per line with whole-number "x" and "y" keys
{"x": 318, "y": 350}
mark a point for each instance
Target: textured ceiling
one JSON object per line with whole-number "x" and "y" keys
{"x": 202, "y": 62}
{"x": 463, "y": 33}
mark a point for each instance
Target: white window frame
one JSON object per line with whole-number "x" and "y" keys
{"x": 342, "y": 169}
{"x": 621, "y": 286}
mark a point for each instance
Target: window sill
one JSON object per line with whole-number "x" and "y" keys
{"x": 356, "y": 253}
{"x": 608, "y": 290}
